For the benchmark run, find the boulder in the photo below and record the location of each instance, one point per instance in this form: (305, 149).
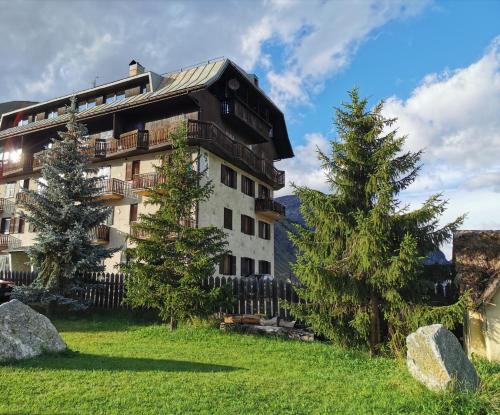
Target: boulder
(436, 359)
(24, 333)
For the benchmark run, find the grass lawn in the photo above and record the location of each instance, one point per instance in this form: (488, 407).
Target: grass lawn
(122, 367)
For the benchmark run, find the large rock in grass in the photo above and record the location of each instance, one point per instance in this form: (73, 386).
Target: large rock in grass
(24, 333)
(436, 358)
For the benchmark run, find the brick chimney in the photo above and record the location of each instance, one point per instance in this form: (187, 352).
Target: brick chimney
(135, 68)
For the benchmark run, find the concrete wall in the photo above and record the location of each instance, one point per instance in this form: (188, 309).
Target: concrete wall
(210, 212)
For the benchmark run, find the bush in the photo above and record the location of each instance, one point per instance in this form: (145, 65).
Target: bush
(42, 298)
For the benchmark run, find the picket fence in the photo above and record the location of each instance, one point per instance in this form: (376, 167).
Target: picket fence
(251, 295)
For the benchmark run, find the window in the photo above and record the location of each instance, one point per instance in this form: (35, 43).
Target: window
(24, 184)
(23, 121)
(247, 266)
(10, 189)
(5, 226)
(228, 265)
(264, 267)
(264, 192)
(52, 114)
(133, 213)
(247, 186)
(228, 218)
(264, 230)
(104, 172)
(120, 95)
(247, 225)
(228, 176)
(110, 98)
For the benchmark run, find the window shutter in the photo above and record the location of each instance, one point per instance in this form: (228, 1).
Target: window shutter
(12, 226)
(128, 170)
(233, 265)
(61, 110)
(40, 116)
(136, 167)
(133, 213)
(20, 227)
(99, 100)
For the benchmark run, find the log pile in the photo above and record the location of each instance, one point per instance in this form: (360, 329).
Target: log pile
(254, 324)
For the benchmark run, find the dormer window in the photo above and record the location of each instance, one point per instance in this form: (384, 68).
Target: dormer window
(115, 96)
(23, 121)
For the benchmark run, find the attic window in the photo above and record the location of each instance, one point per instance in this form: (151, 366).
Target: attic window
(52, 114)
(23, 121)
(85, 105)
(115, 96)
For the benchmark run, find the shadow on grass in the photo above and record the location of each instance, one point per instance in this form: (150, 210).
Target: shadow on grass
(83, 361)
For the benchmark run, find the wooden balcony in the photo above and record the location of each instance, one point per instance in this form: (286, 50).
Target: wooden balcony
(209, 135)
(142, 183)
(244, 117)
(3, 205)
(8, 242)
(269, 208)
(139, 234)
(37, 162)
(100, 235)
(112, 189)
(22, 197)
(22, 166)
(137, 140)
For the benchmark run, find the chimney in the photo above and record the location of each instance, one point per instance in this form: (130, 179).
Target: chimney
(135, 68)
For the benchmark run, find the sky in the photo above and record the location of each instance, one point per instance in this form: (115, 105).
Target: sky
(436, 64)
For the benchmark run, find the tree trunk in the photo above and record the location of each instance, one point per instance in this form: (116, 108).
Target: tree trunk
(374, 324)
(173, 323)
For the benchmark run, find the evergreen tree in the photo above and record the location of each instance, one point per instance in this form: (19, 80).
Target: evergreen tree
(64, 211)
(360, 256)
(168, 264)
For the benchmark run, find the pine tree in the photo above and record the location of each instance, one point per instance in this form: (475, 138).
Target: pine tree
(360, 255)
(64, 211)
(168, 264)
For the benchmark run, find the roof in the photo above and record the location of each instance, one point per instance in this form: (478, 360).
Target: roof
(175, 82)
(476, 254)
(9, 106)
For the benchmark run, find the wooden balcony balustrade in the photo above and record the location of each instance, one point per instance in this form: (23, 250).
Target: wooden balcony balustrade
(21, 166)
(200, 132)
(8, 242)
(22, 197)
(112, 189)
(37, 162)
(140, 234)
(100, 235)
(269, 208)
(142, 183)
(234, 109)
(3, 205)
(130, 141)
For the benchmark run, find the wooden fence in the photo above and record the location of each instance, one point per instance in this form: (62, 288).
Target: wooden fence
(251, 295)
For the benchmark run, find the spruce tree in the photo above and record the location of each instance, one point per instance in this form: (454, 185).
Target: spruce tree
(64, 211)
(169, 261)
(360, 256)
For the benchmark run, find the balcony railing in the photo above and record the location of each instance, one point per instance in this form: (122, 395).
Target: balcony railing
(23, 165)
(131, 141)
(22, 197)
(37, 161)
(270, 208)
(234, 108)
(206, 132)
(100, 235)
(112, 189)
(141, 183)
(9, 242)
(140, 234)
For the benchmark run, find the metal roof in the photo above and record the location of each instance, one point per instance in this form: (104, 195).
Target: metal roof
(185, 79)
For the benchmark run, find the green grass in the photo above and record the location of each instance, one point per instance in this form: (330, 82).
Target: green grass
(121, 367)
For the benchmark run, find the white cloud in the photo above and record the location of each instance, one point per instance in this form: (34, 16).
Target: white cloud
(63, 47)
(304, 169)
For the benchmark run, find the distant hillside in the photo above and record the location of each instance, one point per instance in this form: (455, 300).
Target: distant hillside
(14, 105)
(284, 251)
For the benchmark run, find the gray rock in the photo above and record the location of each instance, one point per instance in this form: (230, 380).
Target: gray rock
(24, 333)
(436, 359)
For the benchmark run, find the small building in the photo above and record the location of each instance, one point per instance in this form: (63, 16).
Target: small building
(476, 255)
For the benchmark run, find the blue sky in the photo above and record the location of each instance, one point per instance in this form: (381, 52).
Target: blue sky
(436, 63)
